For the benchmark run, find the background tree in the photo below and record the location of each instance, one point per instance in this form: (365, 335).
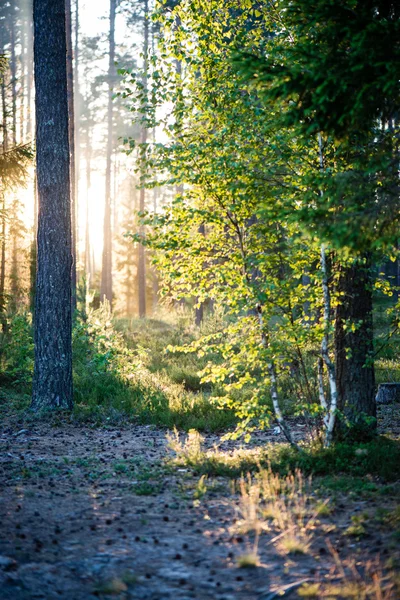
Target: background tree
(106, 272)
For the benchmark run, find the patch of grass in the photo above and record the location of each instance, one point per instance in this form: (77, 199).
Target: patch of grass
(249, 560)
(357, 528)
(270, 502)
(323, 509)
(379, 458)
(309, 590)
(201, 488)
(292, 544)
(146, 489)
(352, 579)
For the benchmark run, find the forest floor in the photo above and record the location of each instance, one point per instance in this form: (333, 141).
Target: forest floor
(103, 513)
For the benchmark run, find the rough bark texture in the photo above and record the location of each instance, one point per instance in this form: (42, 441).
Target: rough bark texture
(106, 272)
(71, 130)
(355, 373)
(52, 382)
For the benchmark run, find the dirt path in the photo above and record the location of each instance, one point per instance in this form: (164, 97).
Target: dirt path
(88, 513)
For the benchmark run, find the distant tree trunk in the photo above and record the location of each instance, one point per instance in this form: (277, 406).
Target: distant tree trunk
(13, 65)
(3, 210)
(355, 373)
(77, 120)
(29, 78)
(33, 257)
(4, 115)
(14, 278)
(71, 133)
(199, 314)
(154, 271)
(22, 122)
(106, 273)
(141, 250)
(3, 263)
(52, 381)
(88, 184)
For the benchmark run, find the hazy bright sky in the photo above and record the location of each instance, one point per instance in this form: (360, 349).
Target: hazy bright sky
(94, 21)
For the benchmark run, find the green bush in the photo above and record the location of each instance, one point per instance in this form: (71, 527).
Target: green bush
(16, 350)
(112, 382)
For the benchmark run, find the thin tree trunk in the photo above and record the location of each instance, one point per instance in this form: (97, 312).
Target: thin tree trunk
(199, 311)
(141, 251)
(13, 65)
(52, 381)
(29, 78)
(154, 271)
(14, 283)
(22, 81)
(3, 264)
(87, 225)
(330, 416)
(71, 133)
(106, 273)
(4, 115)
(274, 383)
(33, 257)
(77, 121)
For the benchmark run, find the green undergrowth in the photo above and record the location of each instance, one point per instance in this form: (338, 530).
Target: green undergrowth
(375, 461)
(113, 382)
(150, 338)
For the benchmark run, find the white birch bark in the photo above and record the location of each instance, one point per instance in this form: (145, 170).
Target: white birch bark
(274, 384)
(330, 417)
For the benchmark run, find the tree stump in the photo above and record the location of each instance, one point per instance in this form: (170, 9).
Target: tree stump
(388, 393)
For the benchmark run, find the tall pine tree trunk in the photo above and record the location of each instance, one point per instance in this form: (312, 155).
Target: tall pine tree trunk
(71, 133)
(142, 198)
(52, 381)
(355, 373)
(106, 272)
